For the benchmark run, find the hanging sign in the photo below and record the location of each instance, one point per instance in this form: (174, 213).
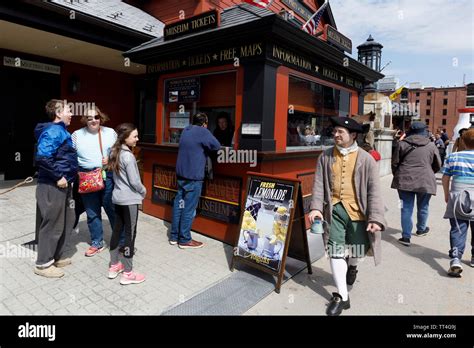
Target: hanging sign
(204, 21)
(337, 39)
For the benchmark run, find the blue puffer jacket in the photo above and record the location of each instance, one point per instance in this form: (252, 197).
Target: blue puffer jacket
(55, 155)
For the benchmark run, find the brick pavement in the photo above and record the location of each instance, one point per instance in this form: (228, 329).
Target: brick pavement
(173, 275)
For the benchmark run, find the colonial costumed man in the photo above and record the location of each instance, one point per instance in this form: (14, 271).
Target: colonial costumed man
(346, 194)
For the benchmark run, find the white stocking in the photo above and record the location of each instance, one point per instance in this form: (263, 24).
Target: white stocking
(353, 261)
(339, 270)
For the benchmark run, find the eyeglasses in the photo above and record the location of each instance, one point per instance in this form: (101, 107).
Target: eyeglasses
(96, 117)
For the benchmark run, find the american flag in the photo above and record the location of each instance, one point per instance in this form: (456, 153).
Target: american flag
(259, 3)
(312, 24)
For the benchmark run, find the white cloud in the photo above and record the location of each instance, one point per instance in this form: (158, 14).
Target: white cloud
(416, 26)
(395, 72)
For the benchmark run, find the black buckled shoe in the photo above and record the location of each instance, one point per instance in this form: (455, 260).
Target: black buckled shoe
(337, 305)
(351, 275)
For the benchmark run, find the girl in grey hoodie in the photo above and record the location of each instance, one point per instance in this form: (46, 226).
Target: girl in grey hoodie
(128, 194)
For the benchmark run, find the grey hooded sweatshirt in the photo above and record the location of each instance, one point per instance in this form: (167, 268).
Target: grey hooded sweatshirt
(414, 169)
(128, 188)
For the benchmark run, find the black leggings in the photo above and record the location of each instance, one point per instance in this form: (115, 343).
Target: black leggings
(126, 217)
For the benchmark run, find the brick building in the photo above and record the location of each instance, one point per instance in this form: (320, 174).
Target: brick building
(436, 106)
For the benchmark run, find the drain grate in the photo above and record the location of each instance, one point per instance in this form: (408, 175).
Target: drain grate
(244, 288)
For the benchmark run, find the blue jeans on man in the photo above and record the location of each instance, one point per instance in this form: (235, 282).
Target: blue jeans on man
(93, 203)
(458, 238)
(408, 203)
(184, 209)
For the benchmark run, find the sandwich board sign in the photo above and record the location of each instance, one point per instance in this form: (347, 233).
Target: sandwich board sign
(272, 225)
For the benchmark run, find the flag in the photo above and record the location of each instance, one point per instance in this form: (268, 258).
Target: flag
(259, 3)
(312, 24)
(395, 94)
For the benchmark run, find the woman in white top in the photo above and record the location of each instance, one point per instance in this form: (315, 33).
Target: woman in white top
(90, 157)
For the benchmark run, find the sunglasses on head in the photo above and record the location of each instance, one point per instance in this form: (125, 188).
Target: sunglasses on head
(92, 118)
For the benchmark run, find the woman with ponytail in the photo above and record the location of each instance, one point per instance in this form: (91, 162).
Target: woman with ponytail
(128, 194)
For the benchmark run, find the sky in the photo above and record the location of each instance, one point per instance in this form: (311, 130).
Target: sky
(427, 41)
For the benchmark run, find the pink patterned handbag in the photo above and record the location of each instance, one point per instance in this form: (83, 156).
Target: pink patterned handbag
(92, 181)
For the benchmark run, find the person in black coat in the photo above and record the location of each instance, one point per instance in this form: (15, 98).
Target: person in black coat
(224, 131)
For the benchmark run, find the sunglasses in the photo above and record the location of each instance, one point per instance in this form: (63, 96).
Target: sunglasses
(96, 117)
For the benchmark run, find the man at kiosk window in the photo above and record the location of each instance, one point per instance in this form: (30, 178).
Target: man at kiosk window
(195, 145)
(346, 194)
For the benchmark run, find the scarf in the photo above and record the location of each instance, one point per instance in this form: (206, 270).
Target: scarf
(347, 150)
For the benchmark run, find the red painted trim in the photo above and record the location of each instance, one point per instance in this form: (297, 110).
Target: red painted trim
(465, 110)
(281, 108)
(238, 104)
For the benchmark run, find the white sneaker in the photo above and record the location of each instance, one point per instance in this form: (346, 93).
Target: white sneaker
(455, 268)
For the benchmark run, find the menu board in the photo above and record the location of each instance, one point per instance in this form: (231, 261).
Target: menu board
(183, 90)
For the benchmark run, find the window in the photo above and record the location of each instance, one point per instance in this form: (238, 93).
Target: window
(310, 106)
(429, 94)
(445, 112)
(445, 101)
(444, 122)
(417, 94)
(428, 112)
(427, 121)
(428, 102)
(470, 102)
(470, 89)
(445, 92)
(213, 94)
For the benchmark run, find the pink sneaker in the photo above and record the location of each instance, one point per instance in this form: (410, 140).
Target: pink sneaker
(115, 270)
(93, 251)
(131, 278)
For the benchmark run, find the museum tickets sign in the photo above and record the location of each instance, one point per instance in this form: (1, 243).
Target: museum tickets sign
(220, 197)
(230, 54)
(204, 21)
(308, 65)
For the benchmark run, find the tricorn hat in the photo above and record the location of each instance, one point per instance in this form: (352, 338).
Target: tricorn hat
(347, 122)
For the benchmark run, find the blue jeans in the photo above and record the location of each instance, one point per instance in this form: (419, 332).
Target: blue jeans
(184, 210)
(458, 237)
(422, 205)
(93, 203)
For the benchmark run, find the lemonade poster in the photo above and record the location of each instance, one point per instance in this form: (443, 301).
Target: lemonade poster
(265, 222)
